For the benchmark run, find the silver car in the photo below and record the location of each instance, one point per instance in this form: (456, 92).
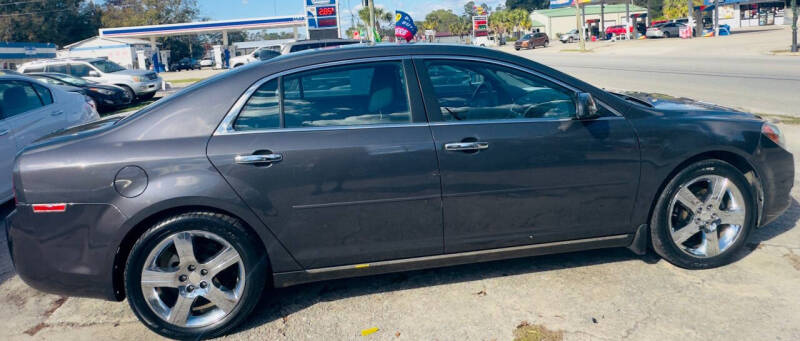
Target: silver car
(29, 110)
(665, 30)
(142, 84)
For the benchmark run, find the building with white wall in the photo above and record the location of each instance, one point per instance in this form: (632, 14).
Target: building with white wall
(14, 54)
(562, 20)
(119, 50)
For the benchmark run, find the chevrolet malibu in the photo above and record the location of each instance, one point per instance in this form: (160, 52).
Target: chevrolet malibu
(363, 160)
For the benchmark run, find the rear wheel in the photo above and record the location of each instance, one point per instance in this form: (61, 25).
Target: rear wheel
(195, 275)
(703, 216)
(666, 34)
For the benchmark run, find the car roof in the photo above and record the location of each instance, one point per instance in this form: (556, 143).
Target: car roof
(317, 41)
(60, 60)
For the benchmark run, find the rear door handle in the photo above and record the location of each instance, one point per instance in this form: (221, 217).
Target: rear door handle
(56, 113)
(466, 146)
(255, 159)
(3, 132)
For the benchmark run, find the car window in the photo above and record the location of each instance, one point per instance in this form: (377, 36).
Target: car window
(106, 66)
(48, 80)
(44, 94)
(301, 47)
(480, 91)
(527, 36)
(17, 97)
(79, 70)
(60, 68)
(368, 93)
(34, 69)
(262, 110)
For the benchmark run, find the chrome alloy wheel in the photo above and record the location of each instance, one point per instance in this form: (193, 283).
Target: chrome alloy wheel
(193, 279)
(707, 216)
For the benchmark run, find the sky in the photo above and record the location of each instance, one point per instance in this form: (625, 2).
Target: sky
(238, 9)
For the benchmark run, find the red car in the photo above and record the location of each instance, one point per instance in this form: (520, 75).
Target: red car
(616, 30)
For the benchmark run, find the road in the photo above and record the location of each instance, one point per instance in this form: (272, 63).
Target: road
(727, 71)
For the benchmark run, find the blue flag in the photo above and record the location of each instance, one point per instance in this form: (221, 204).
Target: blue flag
(404, 26)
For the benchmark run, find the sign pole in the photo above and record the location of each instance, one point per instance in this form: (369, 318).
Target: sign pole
(372, 20)
(794, 25)
(579, 27)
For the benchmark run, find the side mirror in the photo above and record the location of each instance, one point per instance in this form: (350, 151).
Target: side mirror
(586, 108)
(94, 74)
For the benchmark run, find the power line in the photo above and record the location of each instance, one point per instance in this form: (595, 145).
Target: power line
(32, 13)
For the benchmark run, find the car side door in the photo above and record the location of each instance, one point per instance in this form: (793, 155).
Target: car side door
(29, 110)
(338, 161)
(517, 166)
(8, 151)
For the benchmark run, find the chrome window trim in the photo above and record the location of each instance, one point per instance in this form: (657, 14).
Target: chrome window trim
(520, 68)
(226, 126)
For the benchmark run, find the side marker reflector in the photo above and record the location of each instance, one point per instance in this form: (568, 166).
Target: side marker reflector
(49, 208)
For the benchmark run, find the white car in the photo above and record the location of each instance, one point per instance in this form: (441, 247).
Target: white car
(206, 62)
(490, 41)
(261, 53)
(29, 110)
(142, 84)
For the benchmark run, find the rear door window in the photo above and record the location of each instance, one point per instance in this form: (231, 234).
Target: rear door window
(79, 70)
(44, 94)
(59, 68)
(17, 97)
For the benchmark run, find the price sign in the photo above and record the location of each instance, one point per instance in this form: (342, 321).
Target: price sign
(326, 11)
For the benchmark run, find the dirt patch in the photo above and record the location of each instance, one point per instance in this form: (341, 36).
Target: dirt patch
(794, 260)
(535, 332)
(54, 306)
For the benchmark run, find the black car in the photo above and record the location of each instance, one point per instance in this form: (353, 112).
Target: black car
(107, 97)
(185, 64)
(362, 160)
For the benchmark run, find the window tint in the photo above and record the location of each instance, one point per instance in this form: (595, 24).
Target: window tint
(44, 94)
(369, 93)
(479, 91)
(262, 110)
(16, 98)
(60, 68)
(34, 69)
(79, 70)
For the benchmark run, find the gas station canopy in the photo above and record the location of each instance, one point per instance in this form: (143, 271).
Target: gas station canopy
(205, 27)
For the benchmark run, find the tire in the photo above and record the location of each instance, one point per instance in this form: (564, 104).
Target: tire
(666, 34)
(516, 48)
(131, 94)
(571, 40)
(726, 224)
(213, 236)
(147, 96)
(546, 43)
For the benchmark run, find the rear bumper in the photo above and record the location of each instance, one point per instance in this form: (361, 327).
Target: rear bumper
(70, 253)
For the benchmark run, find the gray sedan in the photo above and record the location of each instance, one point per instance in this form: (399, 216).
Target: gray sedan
(361, 160)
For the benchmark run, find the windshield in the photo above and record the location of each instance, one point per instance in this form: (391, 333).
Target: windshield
(107, 66)
(527, 36)
(72, 80)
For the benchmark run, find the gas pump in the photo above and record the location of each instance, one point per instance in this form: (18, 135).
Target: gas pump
(141, 59)
(218, 56)
(163, 58)
(639, 23)
(594, 29)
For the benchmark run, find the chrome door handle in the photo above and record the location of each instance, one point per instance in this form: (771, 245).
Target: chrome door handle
(56, 113)
(3, 132)
(466, 146)
(254, 159)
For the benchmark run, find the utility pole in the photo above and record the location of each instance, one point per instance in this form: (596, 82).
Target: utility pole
(690, 22)
(372, 20)
(794, 25)
(716, 18)
(580, 27)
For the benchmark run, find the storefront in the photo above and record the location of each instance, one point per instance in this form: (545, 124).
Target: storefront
(761, 14)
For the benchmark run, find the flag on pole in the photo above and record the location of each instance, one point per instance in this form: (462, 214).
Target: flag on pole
(404, 26)
(376, 34)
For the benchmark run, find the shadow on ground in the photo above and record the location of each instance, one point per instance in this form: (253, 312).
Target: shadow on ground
(280, 303)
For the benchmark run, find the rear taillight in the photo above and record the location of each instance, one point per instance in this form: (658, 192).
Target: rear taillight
(772, 132)
(49, 208)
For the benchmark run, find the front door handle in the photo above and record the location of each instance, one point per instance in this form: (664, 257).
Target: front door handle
(56, 113)
(3, 132)
(256, 159)
(466, 146)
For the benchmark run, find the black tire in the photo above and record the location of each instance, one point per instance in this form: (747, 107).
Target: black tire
(516, 48)
(660, 231)
(666, 34)
(231, 230)
(131, 94)
(147, 96)
(571, 40)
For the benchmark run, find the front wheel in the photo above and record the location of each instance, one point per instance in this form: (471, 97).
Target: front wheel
(147, 96)
(666, 34)
(194, 275)
(703, 216)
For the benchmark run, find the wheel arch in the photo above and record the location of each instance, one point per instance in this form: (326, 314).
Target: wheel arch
(736, 160)
(268, 244)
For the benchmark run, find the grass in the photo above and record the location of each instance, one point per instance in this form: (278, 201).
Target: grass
(534, 332)
(134, 107)
(186, 80)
